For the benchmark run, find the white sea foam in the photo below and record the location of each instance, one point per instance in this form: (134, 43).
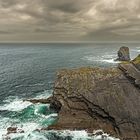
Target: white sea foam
(136, 50)
(102, 136)
(105, 58)
(45, 94)
(2, 133)
(28, 128)
(30, 134)
(83, 135)
(48, 116)
(15, 105)
(34, 136)
(109, 61)
(79, 134)
(4, 123)
(38, 111)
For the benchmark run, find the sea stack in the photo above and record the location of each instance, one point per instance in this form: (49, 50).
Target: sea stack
(123, 54)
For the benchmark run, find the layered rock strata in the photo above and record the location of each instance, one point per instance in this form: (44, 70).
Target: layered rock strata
(99, 98)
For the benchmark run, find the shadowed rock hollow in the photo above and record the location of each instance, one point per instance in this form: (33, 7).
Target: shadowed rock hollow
(97, 98)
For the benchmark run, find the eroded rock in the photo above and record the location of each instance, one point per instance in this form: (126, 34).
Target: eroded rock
(97, 98)
(42, 101)
(123, 54)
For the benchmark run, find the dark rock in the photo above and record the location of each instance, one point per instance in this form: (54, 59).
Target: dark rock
(123, 54)
(55, 105)
(96, 98)
(98, 132)
(11, 130)
(131, 72)
(43, 101)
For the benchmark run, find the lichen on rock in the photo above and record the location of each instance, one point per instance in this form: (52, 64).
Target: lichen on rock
(136, 61)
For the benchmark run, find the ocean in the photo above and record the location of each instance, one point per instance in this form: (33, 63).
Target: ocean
(28, 71)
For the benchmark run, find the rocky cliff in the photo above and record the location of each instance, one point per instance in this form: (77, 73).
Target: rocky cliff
(97, 98)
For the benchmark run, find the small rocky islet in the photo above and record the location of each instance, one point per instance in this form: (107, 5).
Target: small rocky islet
(92, 98)
(123, 54)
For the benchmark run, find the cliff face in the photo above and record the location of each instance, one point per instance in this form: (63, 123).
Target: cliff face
(96, 98)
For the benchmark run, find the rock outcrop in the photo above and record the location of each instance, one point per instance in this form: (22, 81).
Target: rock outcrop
(123, 54)
(11, 130)
(36, 101)
(136, 62)
(99, 98)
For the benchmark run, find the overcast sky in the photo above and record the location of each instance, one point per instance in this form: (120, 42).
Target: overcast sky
(69, 20)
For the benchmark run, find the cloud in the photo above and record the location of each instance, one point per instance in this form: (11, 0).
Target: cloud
(70, 19)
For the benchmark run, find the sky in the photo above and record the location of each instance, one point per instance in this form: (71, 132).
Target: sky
(69, 20)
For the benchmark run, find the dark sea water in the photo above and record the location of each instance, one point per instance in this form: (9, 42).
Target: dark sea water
(28, 71)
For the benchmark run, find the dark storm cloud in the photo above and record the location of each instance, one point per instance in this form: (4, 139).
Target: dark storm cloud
(6, 3)
(69, 20)
(70, 6)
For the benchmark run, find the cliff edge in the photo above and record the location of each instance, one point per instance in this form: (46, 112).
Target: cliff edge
(99, 98)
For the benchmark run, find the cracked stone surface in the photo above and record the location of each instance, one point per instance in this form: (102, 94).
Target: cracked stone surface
(97, 98)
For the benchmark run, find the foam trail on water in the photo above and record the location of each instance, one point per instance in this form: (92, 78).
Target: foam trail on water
(136, 50)
(48, 116)
(35, 117)
(78, 135)
(109, 61)
(45, 94)
(105, 58)
(28, 129)
(4, 124)
(16, 105)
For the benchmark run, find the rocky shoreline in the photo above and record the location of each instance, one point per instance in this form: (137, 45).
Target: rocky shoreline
(92, 98)
(98, 98)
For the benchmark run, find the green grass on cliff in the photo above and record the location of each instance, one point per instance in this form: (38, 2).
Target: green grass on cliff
(136, 60)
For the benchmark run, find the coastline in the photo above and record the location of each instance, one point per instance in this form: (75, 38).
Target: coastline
(97, 98)
(83, 80)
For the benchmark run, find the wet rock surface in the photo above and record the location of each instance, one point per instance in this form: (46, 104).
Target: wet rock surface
(11, 130)
(123, 54)
(36, 101)
(97, 98)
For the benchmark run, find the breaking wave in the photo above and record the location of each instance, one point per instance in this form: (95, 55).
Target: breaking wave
(32, 120)
(101, 59)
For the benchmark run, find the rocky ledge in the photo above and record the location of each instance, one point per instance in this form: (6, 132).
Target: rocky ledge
(99, 98)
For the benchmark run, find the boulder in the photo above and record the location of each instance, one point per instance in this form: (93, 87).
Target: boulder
(11, 130)
(123, 54)
(105, 99)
